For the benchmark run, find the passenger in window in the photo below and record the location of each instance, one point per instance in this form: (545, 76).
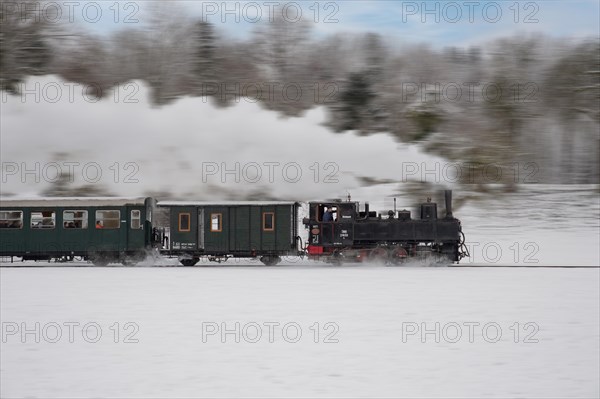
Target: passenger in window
(328, 216)
(99, 224)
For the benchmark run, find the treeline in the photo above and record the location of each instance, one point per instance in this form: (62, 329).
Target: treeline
(514, 102)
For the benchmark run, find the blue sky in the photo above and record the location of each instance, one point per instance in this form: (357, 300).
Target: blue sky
(439, 23)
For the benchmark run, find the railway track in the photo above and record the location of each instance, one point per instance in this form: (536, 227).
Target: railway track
(17, 265)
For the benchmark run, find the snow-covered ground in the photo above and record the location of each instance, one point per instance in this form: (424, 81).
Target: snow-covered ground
(372, 348)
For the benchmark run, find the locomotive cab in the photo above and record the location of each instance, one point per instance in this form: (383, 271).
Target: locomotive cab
(339, 212)
(330, 225)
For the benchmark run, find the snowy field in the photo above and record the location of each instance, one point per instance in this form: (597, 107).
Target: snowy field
(372, 346)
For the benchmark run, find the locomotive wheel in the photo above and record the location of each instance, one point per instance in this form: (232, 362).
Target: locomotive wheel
(336, 259)
(444, 259)
(379, 255)
(398, 255)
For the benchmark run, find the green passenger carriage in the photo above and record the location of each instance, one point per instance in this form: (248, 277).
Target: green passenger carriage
(102, 230)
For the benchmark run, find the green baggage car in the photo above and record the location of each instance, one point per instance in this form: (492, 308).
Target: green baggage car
(221, 230)
(102, 230)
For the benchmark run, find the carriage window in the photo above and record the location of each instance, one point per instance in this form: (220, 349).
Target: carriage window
(136, 217)
(11, 219)
(184, 222)
(43, 220)
(268, 221)
(215, 222)
(106, 219)
(75, 219)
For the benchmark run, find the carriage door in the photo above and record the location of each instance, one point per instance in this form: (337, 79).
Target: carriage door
(200, 228)
(216, 229)
(135, 227)
(183, 228)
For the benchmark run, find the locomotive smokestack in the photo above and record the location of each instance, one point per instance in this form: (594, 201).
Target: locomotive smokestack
(448, 195)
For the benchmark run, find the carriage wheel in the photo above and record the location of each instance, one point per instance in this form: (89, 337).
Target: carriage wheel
(270, 260)
(100, 261)
(189, 261)
(129, 262)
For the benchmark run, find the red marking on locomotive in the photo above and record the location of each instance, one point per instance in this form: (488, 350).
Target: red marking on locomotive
(315, 250)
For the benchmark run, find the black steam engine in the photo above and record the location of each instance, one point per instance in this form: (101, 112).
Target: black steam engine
(339, 232)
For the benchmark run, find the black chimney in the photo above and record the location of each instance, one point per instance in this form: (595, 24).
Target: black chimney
(448, 195)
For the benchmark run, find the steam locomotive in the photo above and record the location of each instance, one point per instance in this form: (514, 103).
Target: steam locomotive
(124, 230)
(355, 235)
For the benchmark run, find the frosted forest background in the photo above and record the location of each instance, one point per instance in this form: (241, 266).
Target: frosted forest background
(522, 98)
